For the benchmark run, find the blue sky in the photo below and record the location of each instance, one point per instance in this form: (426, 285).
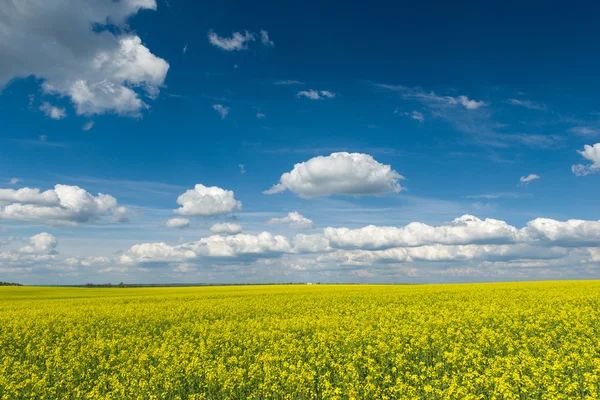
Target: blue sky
(383, 116)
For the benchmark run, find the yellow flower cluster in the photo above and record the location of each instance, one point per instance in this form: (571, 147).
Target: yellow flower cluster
(480, 341)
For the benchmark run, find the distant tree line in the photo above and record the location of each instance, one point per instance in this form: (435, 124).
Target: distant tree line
(9, 284)
(104, 285)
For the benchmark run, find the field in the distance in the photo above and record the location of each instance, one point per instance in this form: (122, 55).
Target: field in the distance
(484, 341)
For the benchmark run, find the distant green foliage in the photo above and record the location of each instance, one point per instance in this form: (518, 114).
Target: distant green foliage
(9, 284)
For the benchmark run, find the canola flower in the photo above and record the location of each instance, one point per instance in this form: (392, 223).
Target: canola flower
(479, 341)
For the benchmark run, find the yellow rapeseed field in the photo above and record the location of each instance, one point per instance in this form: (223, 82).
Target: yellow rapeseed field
(479, 341)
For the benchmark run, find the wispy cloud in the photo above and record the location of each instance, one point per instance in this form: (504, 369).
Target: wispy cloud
(416, 115)
(532, 105)
(88, 126)
(42, 141)
(236, 42)
(52, 111)
(493, 196)
(584, 131)
(221, 109)
(264, 38)
(315, 95)
(525, 180)
(288, 82)
(472, 117)
(431, 98)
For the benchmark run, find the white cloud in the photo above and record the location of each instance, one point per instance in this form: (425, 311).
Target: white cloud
(294, 219)
(264, 38)
(571, 233)
(470, 104)
(432, 99)
(242, 168)
(590, 153)
(40, 243)
(28, 195)
(288, 82)
(315, 95)
(441, 253)
(81, 50)
(468, 231)
(532, 105)
(207, 201)
(493, 196)
(178, 223)
(311, 244)
(185, 49)
(353, 174)
(52, 111)
(583, 131)
(14, 181)
(227, 228)
(260, 115)
(236, 246)
(155, 252)
(236, 42)
(529, 178)
(41, 252)
(88, 125)
(64, 205)
(86, 262)
(464, 230)
(417, 116)
(221, 109)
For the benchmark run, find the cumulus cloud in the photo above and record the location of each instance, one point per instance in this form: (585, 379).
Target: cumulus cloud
(442, 253)
(64, 205)
(221, 109)
(88, 126)
(86, 262)
(529, 178)
(52, 111)
(41, 249)
(315, 95)
(571, 233)
(203, 201)
(466, 246)
(81, 50)
(590, 153)
(227, 228)
(236, 246)
(294, 219)
(40, 243)
(13, 181)
(341, 173)
(316, 243)
(464, 230)
(468, 230)
(178, 223)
